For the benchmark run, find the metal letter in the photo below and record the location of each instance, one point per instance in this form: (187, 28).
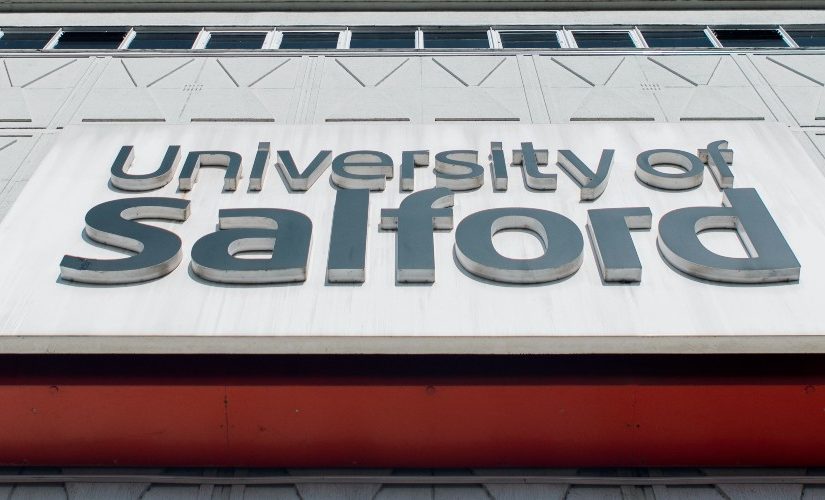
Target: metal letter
(718, 159)
(285, 233)
(362, 170)
(304, 180)
(531, 159)
(563, 243)
(592, 184)
(197, 159)
(500, 178)
(348, 241)
(256, 177)
(771, 258)
(690, 178)
(414, 221)
(143, 182)
(410, 160)
(458, 170)
(110, 223)
(609, 230)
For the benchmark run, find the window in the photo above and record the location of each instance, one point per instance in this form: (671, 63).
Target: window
(603, 39)
(529, 40)
(24, 40)
(162, 40)
(456, 40)
(309, 40)
(803, 38)
(749, 38)
(90, 40)
(676, 39)
(382, 40)
(236, 40)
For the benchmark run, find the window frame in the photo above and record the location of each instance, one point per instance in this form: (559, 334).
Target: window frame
(202, 40)
(382, 29)
(714, 43)
(58, 35)
(631, 31)
(458, 29)
(50, 32)
(136, 30)
(558, 32)
(738, 27)
(342, 42)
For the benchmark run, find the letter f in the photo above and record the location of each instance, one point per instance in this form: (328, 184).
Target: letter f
(419, 214)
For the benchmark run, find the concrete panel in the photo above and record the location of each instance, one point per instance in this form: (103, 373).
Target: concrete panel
(135, 104)
(13, 106)
(226, 105)
(164, 73)
(396, 72)
(49, 73)
(370, 104)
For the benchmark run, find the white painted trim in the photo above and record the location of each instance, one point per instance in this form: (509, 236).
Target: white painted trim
(130, 35)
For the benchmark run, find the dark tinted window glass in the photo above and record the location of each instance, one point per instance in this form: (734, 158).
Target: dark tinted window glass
(163, 41)
(805, 38)
(529, 40)
(90, 40)
(677, 39)
(456, 40)
(24, 40)
(309, 40)
(603, 40)
(383, 40)
(236, 41)
(750, 38)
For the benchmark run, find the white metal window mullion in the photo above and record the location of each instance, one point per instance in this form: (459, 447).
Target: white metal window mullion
(787, 37)
(130, 35)
(493, 38)
(419, 38)
(270, 40)
(710, 34)
(638, 38)
(202, 39)
(570, 40)
(561, 38)
(344, 38)
(54, 39)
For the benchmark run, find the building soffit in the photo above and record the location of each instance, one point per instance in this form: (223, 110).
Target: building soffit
(393, 5)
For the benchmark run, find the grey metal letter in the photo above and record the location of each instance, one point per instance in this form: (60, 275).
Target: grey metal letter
(719, 159)
(690, 178)
(111, 223)
(143, 182)
(592, 184)
(563, 243)
(531, 159)
(410, 160)
(609, 229)
(771, 258)
(414, 221)
(197, 159)
(348, 241)
(302, 181)
(256, 177)
(285, 233)
(500, 178)
(458, 170)
(362, 170)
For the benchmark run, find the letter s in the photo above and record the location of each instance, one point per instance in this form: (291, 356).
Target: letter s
(111, 223)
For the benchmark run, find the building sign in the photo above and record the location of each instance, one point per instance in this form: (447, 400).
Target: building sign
(399, 238)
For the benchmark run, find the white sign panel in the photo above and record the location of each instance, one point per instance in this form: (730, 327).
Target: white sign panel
(393, 238)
